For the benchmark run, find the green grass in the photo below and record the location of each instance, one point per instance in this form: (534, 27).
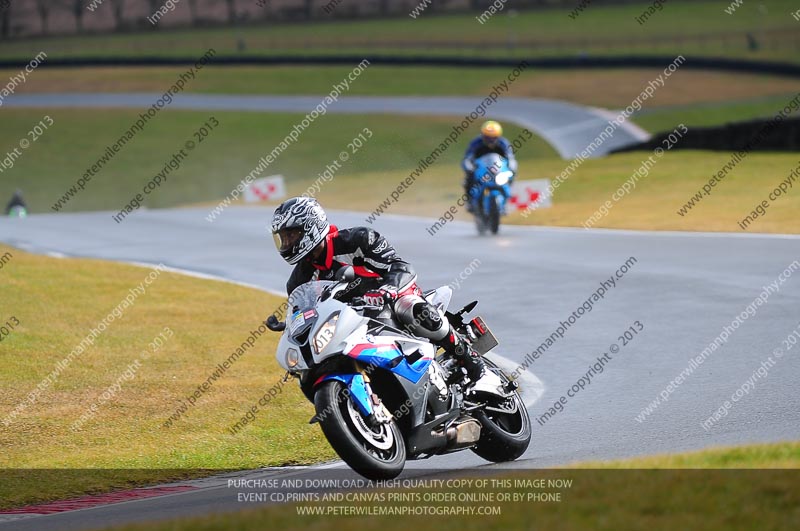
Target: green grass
(232, 150)
(597, 499)
(283, 80)
(620, 86)
(599, 29)
(652, 205)
(711, 114)
(57, 302)
(671, 182)
(398, 143)
(756, 456)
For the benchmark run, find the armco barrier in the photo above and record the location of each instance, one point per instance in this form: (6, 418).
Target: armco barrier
(631, 61)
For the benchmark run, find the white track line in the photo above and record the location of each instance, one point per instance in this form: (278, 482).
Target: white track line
(531, 387)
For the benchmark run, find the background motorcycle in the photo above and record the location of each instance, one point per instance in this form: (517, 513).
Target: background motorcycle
(382, 395)
(492, 190)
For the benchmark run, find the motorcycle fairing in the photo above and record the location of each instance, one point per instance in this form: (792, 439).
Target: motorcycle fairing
(488, 191)
(356, 385)
(388, 356)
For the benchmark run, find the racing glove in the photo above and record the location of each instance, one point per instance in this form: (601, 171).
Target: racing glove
(379, 297)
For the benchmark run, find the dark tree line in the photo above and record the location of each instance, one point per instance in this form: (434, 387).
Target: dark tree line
(13, 11)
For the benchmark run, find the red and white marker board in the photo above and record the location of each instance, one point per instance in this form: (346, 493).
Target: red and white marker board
(533, 192)
(265, 189)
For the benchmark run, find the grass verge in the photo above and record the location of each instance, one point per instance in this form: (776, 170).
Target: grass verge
(652, 205)
(125, 441)
(657, 198)
(225, 157)
(619, 86)
(626, 498)
(710, 114)
(757, 456)
(232, 151)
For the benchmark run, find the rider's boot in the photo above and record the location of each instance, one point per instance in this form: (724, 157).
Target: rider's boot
(468, 192)
(469, 205)
(461, 350)
(424, 320)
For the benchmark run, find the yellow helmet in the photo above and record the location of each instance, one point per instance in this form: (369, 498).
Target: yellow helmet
(492, 129)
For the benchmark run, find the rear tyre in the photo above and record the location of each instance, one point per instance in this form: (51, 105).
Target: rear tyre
(505, 425)
(375, 453)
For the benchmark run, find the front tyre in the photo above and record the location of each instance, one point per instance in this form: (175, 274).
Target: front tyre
(374, 452)
(505, 425)
(480, 218)
(481, 224)
(494, 214)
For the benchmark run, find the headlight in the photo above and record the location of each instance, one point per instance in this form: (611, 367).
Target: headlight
(503, 177)
(325, 333)
(292, 358)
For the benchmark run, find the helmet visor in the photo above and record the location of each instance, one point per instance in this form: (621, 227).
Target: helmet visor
(489, 140)
(286, 239)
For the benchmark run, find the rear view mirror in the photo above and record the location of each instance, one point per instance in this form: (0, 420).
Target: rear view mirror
(275, 325)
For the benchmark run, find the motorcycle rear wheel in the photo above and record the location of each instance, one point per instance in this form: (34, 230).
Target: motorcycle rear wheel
(504, 435)
(375, 453)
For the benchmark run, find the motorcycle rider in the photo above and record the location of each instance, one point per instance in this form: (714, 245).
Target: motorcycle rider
(317, 249)
(490, 140)
(16, 206)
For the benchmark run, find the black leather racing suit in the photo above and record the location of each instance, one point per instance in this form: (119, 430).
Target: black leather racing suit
(377, 265)
(375, 262)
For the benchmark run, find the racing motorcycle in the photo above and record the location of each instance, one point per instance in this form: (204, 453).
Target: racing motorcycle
(382, 395)
(16, 207)
(492, 190)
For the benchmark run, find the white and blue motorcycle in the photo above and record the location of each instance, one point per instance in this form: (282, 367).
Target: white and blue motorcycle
(382, 395)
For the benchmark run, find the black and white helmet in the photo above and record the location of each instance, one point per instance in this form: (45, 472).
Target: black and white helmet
(298, 226)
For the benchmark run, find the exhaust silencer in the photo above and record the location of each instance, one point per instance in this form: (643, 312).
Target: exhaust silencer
(464, 433)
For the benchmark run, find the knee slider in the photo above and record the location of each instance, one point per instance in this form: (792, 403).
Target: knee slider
(421, 318)
(428, 317)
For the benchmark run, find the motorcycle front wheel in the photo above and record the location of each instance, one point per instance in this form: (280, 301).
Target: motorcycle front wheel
(374, 452)
(480, 222)
(494, 215)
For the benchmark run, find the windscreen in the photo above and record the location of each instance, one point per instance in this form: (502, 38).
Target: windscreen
(305, 296)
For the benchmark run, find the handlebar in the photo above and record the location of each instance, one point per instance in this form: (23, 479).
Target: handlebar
(358, 304)
(342, 287)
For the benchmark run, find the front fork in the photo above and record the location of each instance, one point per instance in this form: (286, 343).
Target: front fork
(360, 392)
(500, 198)
(381, 414)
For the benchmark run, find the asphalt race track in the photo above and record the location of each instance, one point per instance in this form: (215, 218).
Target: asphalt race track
(568, 127)
(682, 287)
